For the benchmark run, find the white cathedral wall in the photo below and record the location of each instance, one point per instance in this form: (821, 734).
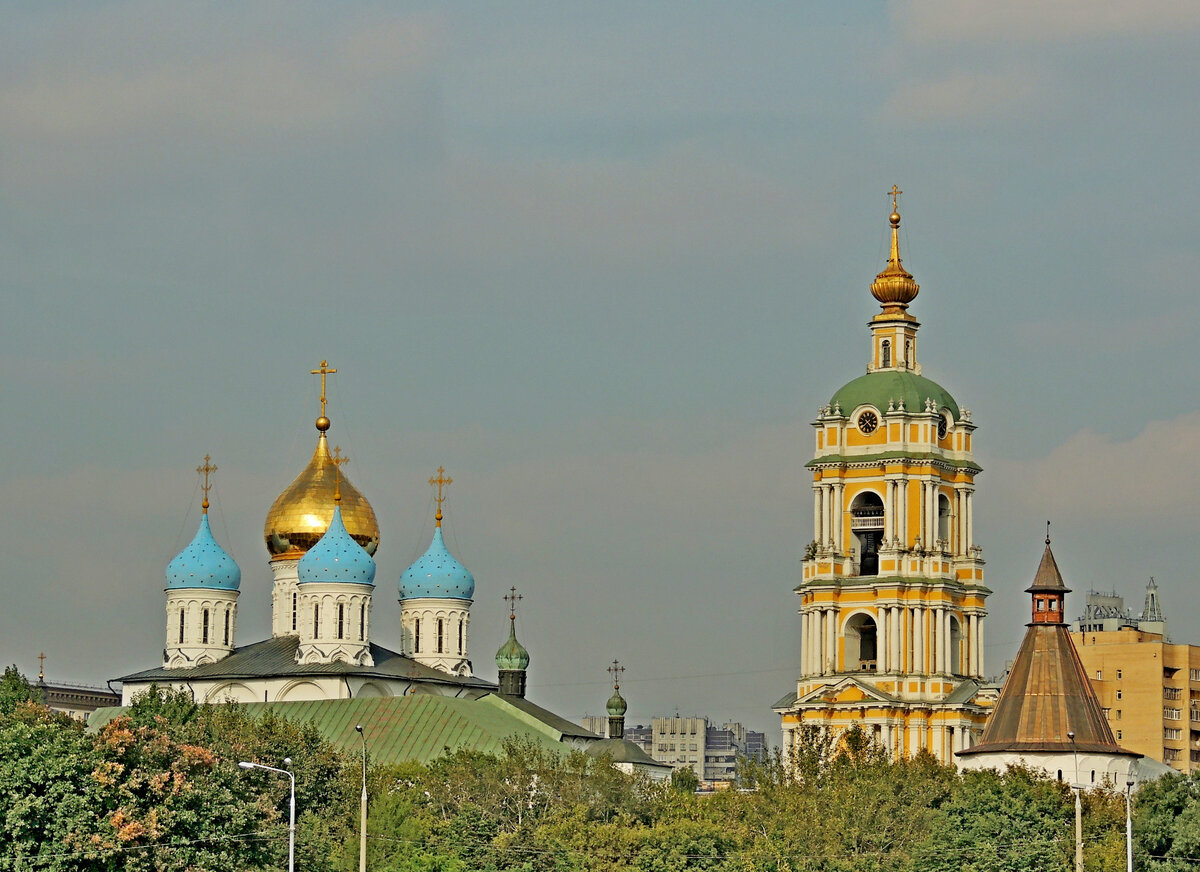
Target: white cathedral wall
(190, 647)
(334, 623)
(1094, 770)
(284, 593)
(289, 688)
(450, 657)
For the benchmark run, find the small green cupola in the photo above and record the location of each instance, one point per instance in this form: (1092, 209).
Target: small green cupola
(512, 659)
(616, 706)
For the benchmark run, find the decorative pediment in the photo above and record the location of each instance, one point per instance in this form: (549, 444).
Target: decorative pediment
(848, 691)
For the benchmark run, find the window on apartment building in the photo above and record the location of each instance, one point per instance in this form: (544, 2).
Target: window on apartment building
(1172, 693)
(1118, 675)
(1118, 714)
(1172, 734)
(1118, 734)
(1171, 755)
(1107, 713)
(1118, 693)
(1099, 675)
(1195, 674)
(1171, 714)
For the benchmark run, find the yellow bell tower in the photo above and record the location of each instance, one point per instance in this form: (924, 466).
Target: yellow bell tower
(892, 594)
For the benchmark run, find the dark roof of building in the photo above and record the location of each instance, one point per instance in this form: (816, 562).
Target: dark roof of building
(1047, 696)
(544, 716)
(419, 727)
(277, 657)
(624, 751)
(1047, 578)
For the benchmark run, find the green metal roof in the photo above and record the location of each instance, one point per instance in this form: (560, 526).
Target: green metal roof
(420, 727)
(879, 388)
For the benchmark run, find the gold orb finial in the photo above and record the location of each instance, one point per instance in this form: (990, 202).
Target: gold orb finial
(323, 370)
(894, 286)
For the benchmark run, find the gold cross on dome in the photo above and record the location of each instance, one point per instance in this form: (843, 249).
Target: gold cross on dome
(206, 470)
(338, 460)
(616, 671)
(42, 667)
(440, 481)
(323, 371)
(894, 193)
(512, 598)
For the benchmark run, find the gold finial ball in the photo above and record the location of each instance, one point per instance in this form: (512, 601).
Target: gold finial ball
(322, 423)
(895, 219)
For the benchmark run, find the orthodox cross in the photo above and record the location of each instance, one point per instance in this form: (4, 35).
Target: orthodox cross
(42, 668)
(1047, 532)
(440, 481)
(323, 371)
(512, 598)
(206, 470)
(894, 193)
(616, 671)
(339, 460)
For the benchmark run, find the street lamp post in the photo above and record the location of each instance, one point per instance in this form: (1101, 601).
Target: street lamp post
(1078, 808)
(287, 761)
(1129, 826)
(362, 835)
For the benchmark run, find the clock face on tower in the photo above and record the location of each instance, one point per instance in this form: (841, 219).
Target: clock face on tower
(942, 427)
(868, 421)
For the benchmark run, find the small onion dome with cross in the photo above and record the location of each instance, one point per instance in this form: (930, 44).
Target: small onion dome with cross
(512, 655)
(616, 706)
(337, 558)
(203, 564)
(437, 574)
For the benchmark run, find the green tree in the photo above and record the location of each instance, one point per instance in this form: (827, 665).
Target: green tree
(15, 689)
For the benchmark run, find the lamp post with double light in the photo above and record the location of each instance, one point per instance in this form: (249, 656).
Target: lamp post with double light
(287, 761)
(362, 835)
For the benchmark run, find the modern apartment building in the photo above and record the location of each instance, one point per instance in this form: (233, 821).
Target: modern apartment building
(1149, 690)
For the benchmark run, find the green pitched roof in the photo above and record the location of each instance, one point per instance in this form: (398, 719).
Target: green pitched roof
(420, 727)
(879, 388)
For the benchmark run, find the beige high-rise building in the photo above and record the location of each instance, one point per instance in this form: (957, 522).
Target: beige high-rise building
(1149, 689)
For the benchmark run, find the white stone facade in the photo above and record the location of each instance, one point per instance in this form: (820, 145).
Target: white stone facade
(435, 632)
(200, 626)
(334, 621)
(285, 597)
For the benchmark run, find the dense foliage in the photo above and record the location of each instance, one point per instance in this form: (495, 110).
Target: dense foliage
(159, 788)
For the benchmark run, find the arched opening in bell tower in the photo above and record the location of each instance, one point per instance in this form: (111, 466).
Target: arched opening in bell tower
(861, 641)
(866, 526)
(943, 529)
(956, 640)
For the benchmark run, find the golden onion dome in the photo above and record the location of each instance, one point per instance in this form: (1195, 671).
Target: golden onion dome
(301, 514)
(894, 286)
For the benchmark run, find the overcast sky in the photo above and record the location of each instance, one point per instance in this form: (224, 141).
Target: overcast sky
(603, 262)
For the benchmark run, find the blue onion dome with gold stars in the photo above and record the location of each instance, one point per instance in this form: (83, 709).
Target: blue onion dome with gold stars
(437, 574)
(512, 655)
(203, 564)
(337, 558)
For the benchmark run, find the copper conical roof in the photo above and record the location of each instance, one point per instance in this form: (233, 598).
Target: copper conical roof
(1047, 577)
(1047, 696)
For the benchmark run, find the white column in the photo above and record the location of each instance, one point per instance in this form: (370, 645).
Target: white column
(939, 641)
(972, 645)
(931, 512)
(831, 644)
(817, 514)
(946, 650)
(902, 512)
(823, 539)
(881, 640)
(959, 521)
(897, 637)
(979, 647)
(803, 643)
(970, 519)
(809, 647)
(839, 489)
(888, 738)
(919, 640)
(889, 511)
